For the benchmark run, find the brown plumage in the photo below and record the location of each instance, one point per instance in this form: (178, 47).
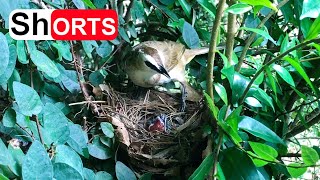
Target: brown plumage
(153, 63)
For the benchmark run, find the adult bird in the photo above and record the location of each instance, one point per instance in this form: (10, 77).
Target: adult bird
(154, 63)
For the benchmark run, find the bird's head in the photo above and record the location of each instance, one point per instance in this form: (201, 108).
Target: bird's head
(150, 58)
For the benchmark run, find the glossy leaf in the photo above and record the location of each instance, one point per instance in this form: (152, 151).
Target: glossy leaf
(44, 64)
(237, 165)
(9, 118)
(89, 4)
(102, 175)
(284, 74)
(99, 151)
(296, 170)
(10, 68)
(238, 8)
(4, 58)
(123, 172)
(186, 7)
(221, 92)
(78, 139)
(55, 125)
(264, 151)
(105, 49)
(63, 50)
(70, 161)
(107, 129)
(208, 6)
(259, 130)
(214, 110)
(21, 51)
(37, 164)
(123, 34)
(314, 29)
(260, 32)
(311, 8)
(252, 102)
(309, 155)
(301, 71)
(79, 4)
(190, 36)
(265, 3)
(202, 171)
(28, 100)
(5, 157)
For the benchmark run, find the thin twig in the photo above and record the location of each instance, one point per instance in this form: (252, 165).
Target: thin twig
(24, 129)
(78, 67)
(128, 13)
(39, 130)
(212, 51)
(301, 45)
(85, 102)
(253, 35)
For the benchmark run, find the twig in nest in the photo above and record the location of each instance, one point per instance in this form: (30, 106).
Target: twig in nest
(85, 102)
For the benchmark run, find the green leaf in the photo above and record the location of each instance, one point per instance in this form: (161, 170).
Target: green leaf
(53, 90)
(68, 79)
(44, 64)
(4, 58)
(301, 71)
(310, 8)
(272, 80)
(18, 157)
(102, 175)
(214, 110)
(79, 4)
(88, 47)
(88, 174)
(295, 170)
(260, 32)
(202, 171)
(3, 177)
(123, 34)
(259, 130)
(63, 50)
(264, 151)
(238, 8)
(221, 92)
(208, 6)
(237, 165)
(265, 3)
(107, 129)
(186, 7)
(123, 172)
(37, 164)
(284, 74)
(252, 102)
(105, 49)
(89, 4)
(70, 161)
(10, 68)
(314, 30)
(309, 155)
(55, 125)
(21, 51)
(28, 100)
(78, 139)
(9, 118)
(99, 151)
(5, 157)
(190, 36)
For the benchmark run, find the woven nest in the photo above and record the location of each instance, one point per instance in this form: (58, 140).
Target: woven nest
(162, 153)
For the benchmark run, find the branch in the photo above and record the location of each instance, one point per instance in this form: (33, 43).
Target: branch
(78, 66)
(39, 130)
(253, 35)
(301, 45)
(313, 118)
(212, 51)
(231, 31)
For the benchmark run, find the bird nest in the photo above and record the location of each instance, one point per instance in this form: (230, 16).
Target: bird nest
(163, 153)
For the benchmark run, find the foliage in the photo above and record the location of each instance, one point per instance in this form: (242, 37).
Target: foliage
(265, 93)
